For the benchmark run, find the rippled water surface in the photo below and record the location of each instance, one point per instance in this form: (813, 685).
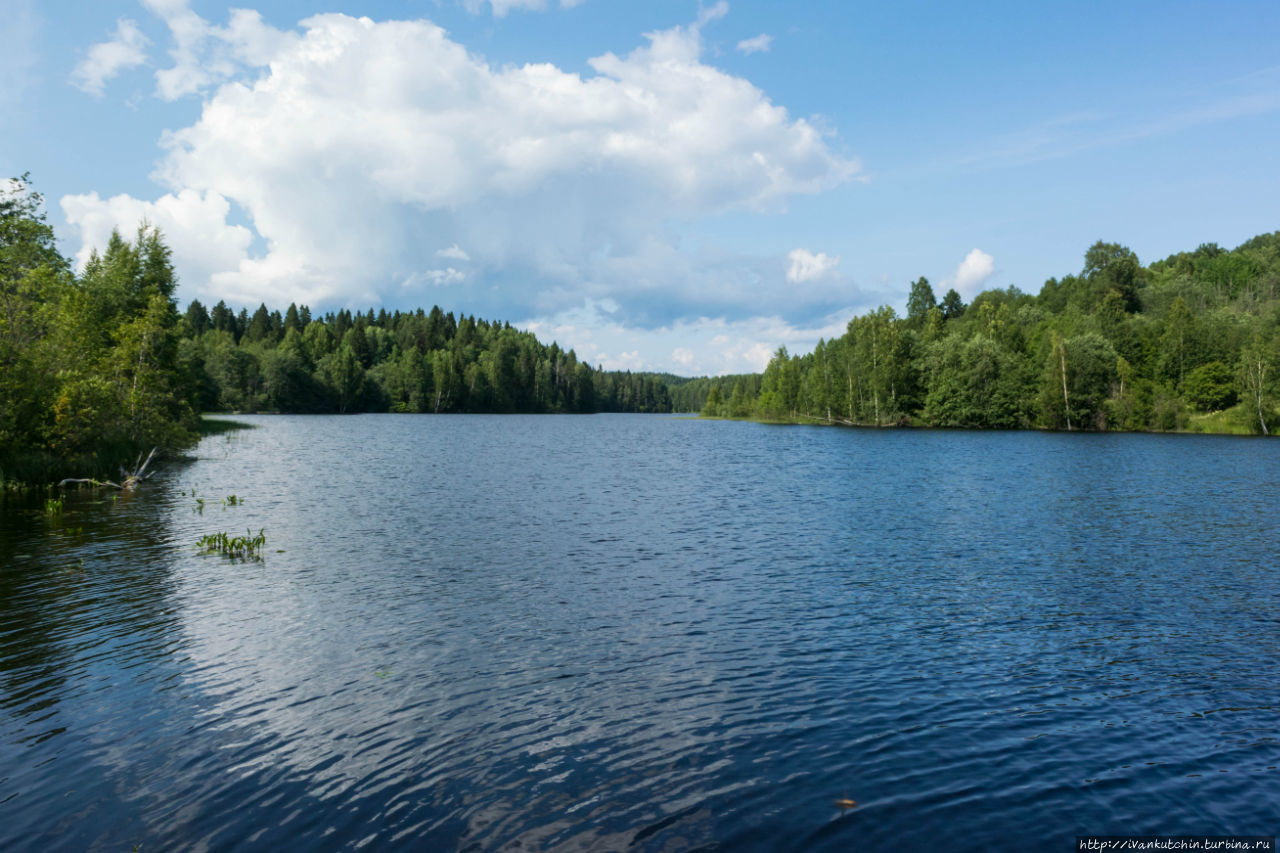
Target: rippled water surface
(642, 632)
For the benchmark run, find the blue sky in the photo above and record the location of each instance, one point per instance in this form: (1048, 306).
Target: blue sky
(660, 185)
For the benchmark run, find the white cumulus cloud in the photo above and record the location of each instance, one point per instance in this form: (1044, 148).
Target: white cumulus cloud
(756, 44)
(125, 50)
(806, 266)
(194, 225)
(329, 165)
(975, 269)
(694, 346)
(204, 55)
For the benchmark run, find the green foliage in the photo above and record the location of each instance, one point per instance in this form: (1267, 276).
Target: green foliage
(920, 302)
(1237, 420)
(975, 383)
(1111, 268)
(342, 372)
(245, 547)
(34, 280)
(90, 372)
(1077, 379)
(398, 362)
(714, 407)
(1257, 378)
(1117, 346)
(952, 305)
(1211, 387)
(690, 395)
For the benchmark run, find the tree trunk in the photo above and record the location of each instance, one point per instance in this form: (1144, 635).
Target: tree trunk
(1066, 401)
(1262, 372)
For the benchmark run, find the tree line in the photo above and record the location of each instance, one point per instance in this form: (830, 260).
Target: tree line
(97, 367)
(414, 361)
(1189, 342)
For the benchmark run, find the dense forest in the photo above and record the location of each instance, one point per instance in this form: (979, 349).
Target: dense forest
(415, 361)
(1191, 342)
(97, 367)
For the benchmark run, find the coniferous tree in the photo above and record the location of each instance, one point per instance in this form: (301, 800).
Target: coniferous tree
(920, 302)
(197, 318)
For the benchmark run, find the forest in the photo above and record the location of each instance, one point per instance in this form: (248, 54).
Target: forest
(417, 361)
(100, 366)
(1187, 343)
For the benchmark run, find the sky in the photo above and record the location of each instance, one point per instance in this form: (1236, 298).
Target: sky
(660, 185)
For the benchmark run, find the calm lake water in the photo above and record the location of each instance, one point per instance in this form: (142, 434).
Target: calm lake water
(629, 631)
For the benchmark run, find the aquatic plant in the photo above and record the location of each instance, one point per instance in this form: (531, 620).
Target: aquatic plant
(232, 500)
(53, 507)
(243, 547)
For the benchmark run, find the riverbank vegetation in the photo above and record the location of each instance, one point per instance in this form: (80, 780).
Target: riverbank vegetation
(90, 369)
(100, 367)
(1189, 343)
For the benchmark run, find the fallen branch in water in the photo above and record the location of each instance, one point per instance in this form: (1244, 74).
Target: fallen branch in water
(832, 420)
(131, 481)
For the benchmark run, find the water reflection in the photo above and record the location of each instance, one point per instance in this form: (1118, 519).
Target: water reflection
(84, 625)
(611, 631)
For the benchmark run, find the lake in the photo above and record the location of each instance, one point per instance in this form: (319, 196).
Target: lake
(646, 632)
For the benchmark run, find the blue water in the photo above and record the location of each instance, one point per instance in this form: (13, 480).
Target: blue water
(635, 631)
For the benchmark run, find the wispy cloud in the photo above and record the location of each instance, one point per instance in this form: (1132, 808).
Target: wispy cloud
(1066, 136)
(756, 44)
(453, 253)
(500, 8)
(1082, 131)
(707, 14)
(125, 50)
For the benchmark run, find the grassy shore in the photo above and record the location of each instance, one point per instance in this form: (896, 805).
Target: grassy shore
(1237, 420)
